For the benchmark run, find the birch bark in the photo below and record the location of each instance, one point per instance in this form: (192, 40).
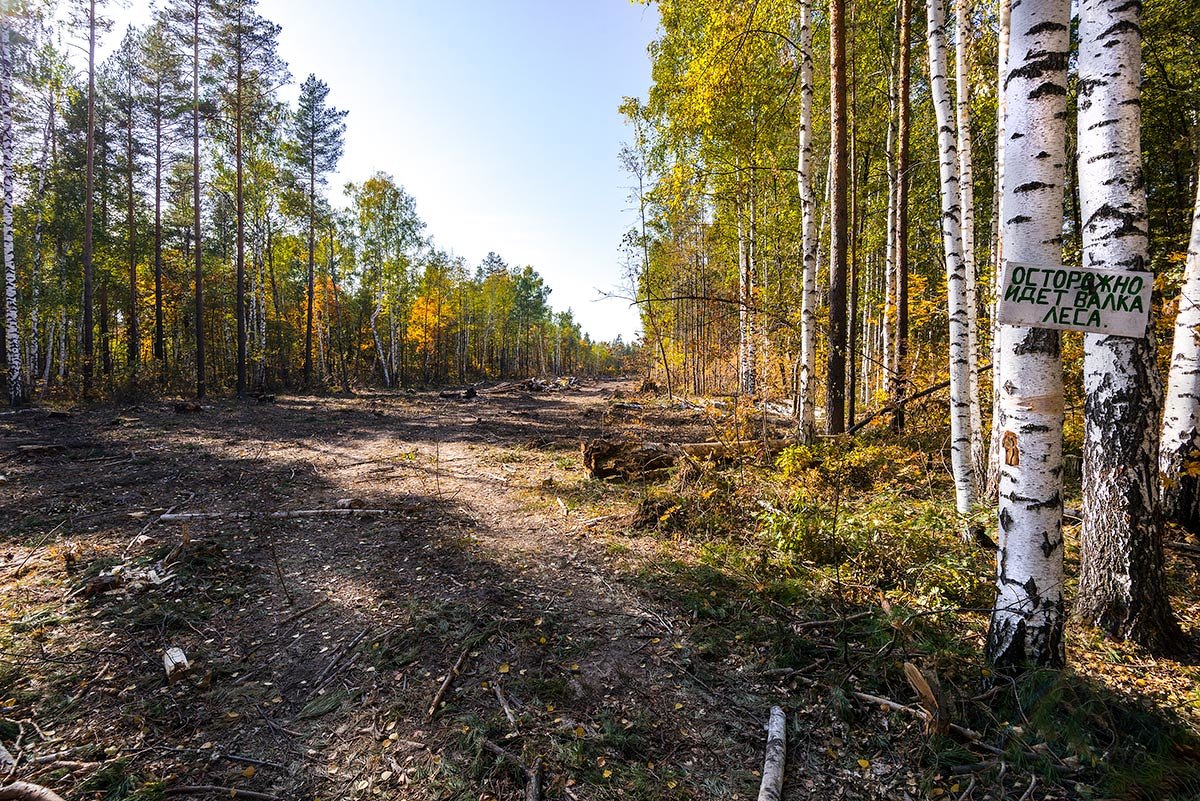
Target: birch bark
(1122, 588)
(12, 333)
(1026, 626)
(966, 193)
(956, 271)
(993, 460)
(1179, 459)
(808, 292)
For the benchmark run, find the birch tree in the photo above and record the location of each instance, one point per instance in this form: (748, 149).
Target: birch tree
(992, 474)
(1026, 627)
(1179, 459)
(808, 292)
(966, 194)
(12, 338)
(957, 301)
(1121, 584)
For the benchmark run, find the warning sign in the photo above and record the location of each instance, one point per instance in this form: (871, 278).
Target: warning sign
(1075, 298)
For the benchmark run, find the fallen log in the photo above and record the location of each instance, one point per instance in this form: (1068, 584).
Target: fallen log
(24, 791)
(771, 788)
(183, 517)
(632, 460)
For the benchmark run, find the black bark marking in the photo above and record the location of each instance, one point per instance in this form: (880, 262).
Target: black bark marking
(1032, 186)
(1038, 341)
(1045, 27)
(1020, 218)
(1039, 64)
(1123, 26)
(1053, 502)
(1048, 89)
(1005, 520)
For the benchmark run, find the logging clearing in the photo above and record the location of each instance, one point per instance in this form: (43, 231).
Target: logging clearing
(424, 593)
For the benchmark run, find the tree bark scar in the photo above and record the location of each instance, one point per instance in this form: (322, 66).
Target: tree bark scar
(1012, 454)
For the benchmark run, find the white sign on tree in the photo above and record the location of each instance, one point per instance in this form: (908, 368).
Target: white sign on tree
(1075, 298)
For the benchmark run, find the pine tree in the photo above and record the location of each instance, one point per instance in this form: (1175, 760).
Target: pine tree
(163, 92)
(835, 386)
(245, 53)
(317, 131)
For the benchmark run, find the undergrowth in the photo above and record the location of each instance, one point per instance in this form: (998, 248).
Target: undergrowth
(867, 537)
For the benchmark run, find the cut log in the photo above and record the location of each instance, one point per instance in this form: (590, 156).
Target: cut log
(184, 517)
(632, 460)
(771, 788)
(175, 662)
(24, 791)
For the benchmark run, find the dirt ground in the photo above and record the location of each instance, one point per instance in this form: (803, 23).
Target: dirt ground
(318, 644)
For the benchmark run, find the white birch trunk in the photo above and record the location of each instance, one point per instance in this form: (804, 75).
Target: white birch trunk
(993, 462)
(891, 290)
(808, 224)
(1179, 459)
(746, 356)
(1027, 622)
(966, 193)
(387, 380)
(1122, 589)
(12, 334)
(956, 270)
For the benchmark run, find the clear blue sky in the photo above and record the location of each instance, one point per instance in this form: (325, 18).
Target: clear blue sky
(498, 116)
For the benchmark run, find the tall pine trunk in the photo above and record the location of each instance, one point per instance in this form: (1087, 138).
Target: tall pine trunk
(240, 208)
(1179, 460)
(899, 377)
(835, 386)
(89, 204)
(1027, 622)
(160, 345)
(133, 343)
(957, 300)
(1122, 589)
(196, 241)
